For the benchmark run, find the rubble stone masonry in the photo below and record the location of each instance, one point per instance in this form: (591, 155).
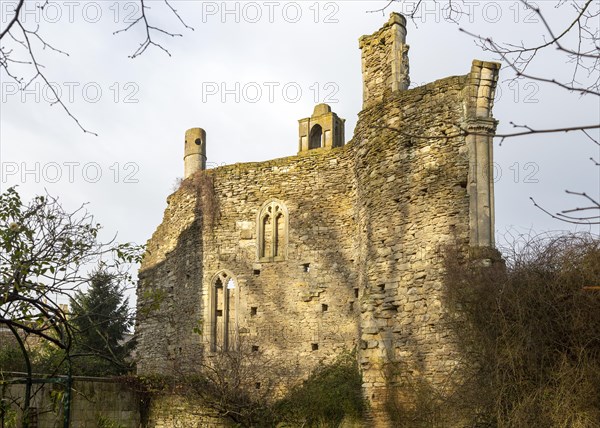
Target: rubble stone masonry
(336, 248)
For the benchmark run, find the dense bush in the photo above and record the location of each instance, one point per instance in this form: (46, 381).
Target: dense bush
(529, 331)
(330, 395)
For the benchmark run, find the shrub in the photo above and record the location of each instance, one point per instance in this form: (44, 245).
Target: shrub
(331, 394)
(528, 332)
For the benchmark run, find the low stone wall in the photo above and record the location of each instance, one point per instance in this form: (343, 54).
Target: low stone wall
(95, 403)
(175, 411)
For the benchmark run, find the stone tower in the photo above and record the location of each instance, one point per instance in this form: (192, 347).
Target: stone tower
(194, 155)
(385, 60)
(323, 129)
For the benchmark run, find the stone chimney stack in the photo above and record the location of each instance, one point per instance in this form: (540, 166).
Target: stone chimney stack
(194, 156)
(385, 60)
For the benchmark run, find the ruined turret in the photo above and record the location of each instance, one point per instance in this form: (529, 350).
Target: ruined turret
(194, 156)
(323, 129)
(385, 60)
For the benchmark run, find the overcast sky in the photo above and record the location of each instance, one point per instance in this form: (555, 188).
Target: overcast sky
(246, 73)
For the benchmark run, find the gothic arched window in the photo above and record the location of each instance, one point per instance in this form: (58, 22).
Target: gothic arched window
(272, 231)
(223, 312)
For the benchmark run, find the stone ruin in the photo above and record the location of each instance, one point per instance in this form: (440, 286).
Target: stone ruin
(337, 248)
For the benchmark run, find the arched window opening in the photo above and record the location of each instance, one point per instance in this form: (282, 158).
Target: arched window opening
(223, 316)
(219, 297)
(337, 141)
(267, 236)
(279, 231)
(273, 225)
(316, 134)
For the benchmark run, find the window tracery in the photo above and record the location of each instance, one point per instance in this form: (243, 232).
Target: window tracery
(223, 312)
(273, 231)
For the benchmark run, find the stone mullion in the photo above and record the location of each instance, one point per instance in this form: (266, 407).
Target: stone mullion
(225, 316)
(274, 233)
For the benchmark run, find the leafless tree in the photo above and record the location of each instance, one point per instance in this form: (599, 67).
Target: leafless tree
(241, 384)
(22, 43)
(527, 330)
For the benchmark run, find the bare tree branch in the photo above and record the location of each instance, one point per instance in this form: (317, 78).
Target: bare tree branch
(462, 132)
(13, 20)
(577, 40)
(148, 28)
(24, 45)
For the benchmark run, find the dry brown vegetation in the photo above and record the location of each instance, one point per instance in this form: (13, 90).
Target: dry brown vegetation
(530, 334)
(202, 183)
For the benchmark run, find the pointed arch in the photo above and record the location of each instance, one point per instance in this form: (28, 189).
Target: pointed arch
(224, 301)
(272, 233)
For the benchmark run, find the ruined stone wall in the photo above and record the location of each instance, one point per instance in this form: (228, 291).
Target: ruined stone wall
(366, 231)
(411, 202)
(384, 57)
(180, 411)
(169, 290)
(303, 305)
(303, 309)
